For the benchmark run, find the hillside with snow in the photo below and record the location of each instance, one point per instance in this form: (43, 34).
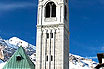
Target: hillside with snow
(8, 47)
(78, 62)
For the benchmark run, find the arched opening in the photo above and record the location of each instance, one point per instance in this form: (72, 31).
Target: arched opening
(47, 10)
(50, 10)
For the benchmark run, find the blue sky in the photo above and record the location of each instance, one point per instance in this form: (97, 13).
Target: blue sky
(19, 17)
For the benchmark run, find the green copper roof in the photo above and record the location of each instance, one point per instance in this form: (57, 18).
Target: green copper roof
(19, 60)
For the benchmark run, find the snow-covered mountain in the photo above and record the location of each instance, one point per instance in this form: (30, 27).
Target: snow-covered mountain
(75, 62)
(78, 62)
(8, 47)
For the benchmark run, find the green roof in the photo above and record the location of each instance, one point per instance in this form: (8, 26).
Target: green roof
(19, 60)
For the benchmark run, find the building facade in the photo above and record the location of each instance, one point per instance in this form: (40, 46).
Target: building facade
(52, 46)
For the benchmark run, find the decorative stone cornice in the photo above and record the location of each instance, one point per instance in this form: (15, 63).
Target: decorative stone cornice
(48, 26)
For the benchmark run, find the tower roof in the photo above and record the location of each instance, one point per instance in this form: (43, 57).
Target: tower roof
(19, 60)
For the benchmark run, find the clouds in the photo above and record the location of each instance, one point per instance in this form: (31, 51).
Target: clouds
(13, 6)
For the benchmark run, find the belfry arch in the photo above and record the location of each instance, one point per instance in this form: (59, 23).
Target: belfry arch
(50, 10)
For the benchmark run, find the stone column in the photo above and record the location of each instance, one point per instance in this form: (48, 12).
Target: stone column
(41, 40)
(41, 50)
(54, 32)
(49, 56)
(45, 49)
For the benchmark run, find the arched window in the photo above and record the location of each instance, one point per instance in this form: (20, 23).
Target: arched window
(50, 10)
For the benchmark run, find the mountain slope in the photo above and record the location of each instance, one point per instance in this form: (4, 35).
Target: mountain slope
(77, 62)
(10, 46)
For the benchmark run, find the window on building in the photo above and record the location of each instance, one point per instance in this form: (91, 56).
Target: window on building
(18, 58)
(51, 35)
(47, 11)
(53, 10)
(65, 13)
(50, 10)
(51, 58)
(47, 58)
(47, 35)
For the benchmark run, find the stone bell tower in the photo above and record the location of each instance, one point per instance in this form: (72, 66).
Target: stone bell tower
(52, 48)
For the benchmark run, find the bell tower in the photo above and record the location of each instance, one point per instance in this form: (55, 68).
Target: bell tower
(52, 46)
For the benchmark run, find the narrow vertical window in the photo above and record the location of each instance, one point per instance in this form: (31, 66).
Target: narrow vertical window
(47, 11)
(53, 10)
(47, 58)
(65, 13)
(47, 35)
(51, 35)
(50, 10)
(51, 58)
